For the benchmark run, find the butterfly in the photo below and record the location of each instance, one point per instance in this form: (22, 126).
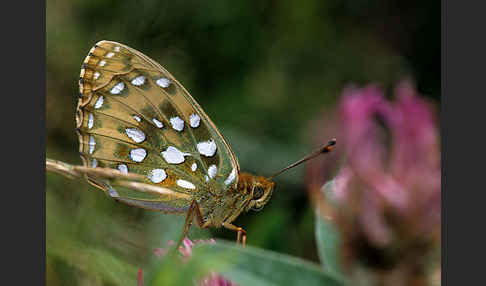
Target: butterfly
(134, 116)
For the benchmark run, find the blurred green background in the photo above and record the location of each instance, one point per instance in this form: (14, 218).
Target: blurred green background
(262, 70)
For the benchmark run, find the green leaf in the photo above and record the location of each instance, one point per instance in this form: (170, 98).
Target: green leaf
(327, 239)
(253, 266)
(327, 236)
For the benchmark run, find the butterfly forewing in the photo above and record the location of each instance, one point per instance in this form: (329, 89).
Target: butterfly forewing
(136, 117)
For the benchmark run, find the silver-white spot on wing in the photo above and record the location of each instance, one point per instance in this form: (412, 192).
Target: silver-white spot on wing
(163, 82)
(137, 118)
(177, 123)
(138, 154)
(194, 167)
(110, 54)
(185, 184)
(90, 121)
(91, 144)
(135, 134)
(212, 170)
(94, 163)
(116, 49)
(157, 175)
(102, 63)
(96, 75)
(173, 155)
(157, 123)
(194, 120)
(207, 148)
(117, 89)
(123, 168)
(113, 192)
(99, 102)
(138, 81)
(231, 177)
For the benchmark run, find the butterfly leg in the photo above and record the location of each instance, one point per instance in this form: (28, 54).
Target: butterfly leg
(241, 233)
(194, 211)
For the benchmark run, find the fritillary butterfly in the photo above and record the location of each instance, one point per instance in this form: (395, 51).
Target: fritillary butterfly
(134, 116)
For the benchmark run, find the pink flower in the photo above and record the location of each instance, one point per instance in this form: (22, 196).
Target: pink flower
(140, 277)
(215, 279)
(387, 190)
(185, 250)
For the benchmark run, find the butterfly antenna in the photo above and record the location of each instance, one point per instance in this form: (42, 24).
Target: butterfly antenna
(324, 149)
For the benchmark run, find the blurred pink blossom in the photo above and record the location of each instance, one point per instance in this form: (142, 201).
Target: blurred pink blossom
(213, 279)
(388, 184)
(393, 150)
(140, 277)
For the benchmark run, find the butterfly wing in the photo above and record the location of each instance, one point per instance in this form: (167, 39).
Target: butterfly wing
(134, 116)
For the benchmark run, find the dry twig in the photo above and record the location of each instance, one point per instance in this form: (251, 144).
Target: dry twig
(115, 177)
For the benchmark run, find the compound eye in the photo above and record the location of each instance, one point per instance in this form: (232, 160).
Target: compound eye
(256, 209)
(257, 192)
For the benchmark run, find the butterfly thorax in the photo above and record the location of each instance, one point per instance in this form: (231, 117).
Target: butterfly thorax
(251, 193)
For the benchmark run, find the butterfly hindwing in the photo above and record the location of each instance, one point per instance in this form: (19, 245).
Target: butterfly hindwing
(134, 116)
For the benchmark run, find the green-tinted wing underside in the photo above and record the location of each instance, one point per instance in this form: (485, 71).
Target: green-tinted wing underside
(134, 116)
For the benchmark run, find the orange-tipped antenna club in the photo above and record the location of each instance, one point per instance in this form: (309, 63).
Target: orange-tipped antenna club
(324, 149)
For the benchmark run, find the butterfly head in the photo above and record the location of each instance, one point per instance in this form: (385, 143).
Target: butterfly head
(259, 190)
